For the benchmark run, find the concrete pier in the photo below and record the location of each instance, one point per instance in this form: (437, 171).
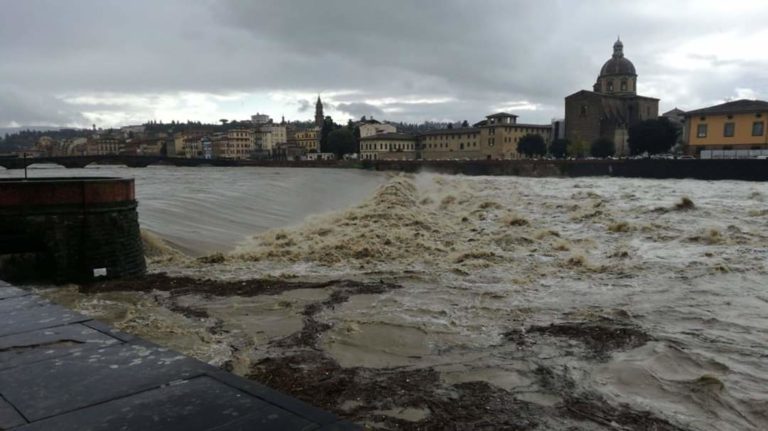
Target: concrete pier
(69, 229)
(63, 371)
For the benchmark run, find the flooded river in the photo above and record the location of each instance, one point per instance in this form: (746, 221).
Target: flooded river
(485, 302)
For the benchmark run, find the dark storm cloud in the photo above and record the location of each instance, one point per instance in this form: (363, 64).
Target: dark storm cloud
(409, 60)
(305, 105)
(24, 108)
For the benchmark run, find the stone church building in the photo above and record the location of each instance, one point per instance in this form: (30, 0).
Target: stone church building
(612, 106)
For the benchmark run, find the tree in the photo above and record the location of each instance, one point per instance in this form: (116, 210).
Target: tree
(356, 133)
(578, 149)
(340, 141)
(559, 148)
(652, 136)
(328, 127)
(532, 145)
(465, 123)
(450, 126)
(602, 147)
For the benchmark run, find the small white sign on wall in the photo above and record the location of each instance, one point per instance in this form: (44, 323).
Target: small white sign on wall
(99, 272)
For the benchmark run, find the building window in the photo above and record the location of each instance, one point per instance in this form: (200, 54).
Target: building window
(610, 86)
(758, 128)
(583, 112)
(728, 130)
(623, 85)
(701, 131)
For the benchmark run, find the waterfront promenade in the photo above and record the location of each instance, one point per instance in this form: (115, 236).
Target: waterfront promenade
(63, 371)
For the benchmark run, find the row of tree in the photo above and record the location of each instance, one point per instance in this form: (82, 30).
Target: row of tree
(649, 137)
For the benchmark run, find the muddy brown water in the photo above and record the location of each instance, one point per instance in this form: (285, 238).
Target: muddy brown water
(443, 302)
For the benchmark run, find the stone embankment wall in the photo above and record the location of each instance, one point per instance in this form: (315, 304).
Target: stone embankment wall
(69, 229)
(751, 169)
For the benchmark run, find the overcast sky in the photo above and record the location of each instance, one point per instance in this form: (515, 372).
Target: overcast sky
(119, 62)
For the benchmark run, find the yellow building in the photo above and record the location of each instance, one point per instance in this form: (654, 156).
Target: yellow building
(501, 133)
(737, 125)
(496, 138)
(308, 140)
(449, 144)
(388, 146)
(184, 142)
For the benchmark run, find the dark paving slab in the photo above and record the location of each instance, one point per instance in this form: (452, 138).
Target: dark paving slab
(198, 404)
(7, 291)
(50, 343)
(21, 302)
(63, 371)
(60, 385)
(253, 422)
(28, 313)
(109, 331)
(287, 402)
(9, 417)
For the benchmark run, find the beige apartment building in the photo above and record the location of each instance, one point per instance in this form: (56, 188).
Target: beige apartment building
(389, 146)
(496, 138)
(268, 136)
(500, 133)
(375, 128)
(185, 143)
(235, 144)
(308, 140)
(102, 145)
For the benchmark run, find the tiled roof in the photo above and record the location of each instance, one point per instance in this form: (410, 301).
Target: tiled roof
(456, 131)
(390, 136)
(735, 107)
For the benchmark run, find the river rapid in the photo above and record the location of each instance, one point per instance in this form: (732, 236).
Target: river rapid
(646, 295)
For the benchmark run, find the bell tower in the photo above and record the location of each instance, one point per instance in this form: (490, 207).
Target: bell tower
(319, 117)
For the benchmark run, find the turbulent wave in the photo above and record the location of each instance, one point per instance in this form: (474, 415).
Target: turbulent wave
(649, 293)
(157, 250)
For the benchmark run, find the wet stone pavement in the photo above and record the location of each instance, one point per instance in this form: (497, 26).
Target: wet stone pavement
(64, 371)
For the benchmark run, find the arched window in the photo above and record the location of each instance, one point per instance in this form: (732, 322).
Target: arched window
(623, 85)
(610, 86)
(583, 110)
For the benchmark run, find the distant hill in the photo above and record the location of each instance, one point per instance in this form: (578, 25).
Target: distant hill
(10, 130)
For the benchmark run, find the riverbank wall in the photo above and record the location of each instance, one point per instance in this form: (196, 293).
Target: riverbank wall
(747, 169)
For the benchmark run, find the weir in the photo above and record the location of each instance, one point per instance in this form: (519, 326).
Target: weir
(69, 229)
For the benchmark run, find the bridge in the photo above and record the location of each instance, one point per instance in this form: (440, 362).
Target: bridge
(130, 161)
(144, 161)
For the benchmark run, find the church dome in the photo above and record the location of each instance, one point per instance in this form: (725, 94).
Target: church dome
(618, 64)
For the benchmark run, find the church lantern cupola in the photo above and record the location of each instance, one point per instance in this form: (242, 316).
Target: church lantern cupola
(617, 76)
